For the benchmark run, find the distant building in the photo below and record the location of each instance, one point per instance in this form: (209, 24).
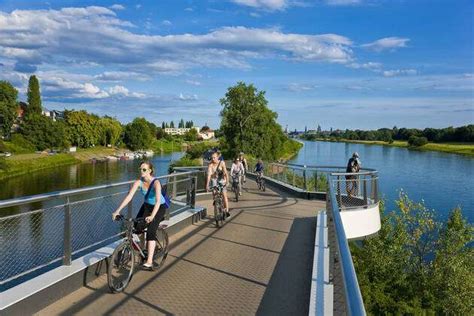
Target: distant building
(206, 133)
(54, 115)
(179, 131)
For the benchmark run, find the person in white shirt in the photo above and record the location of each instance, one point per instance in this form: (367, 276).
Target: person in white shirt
(237, 170)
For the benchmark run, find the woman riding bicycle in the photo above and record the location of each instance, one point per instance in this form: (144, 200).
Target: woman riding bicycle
(237, 170)
(217, 176)
(151, 210)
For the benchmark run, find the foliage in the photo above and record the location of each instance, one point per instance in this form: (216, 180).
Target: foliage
(416, 141)
(109, 130)
(196, 151)
(3, 164)
(191, 135)
(248, 125)
(8, 106)
(138, 134)
(401, 270)
(185, 161)
(448, 134)
(82, 128)
(20, 145)
(34, 96)
(43, 132)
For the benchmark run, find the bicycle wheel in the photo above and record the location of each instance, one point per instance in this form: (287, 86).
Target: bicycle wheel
(120, 269)
(216, 213)
(263, 185)
(221, 212)
(161, 249)
(236, 190)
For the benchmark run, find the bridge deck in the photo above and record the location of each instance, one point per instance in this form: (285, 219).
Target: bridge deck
(258, 262)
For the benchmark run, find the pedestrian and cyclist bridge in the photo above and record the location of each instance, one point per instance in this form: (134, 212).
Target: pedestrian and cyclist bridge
(283, 251)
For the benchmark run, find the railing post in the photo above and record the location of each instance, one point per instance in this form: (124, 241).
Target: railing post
(193, 191)
(294, 178)
(304, 179)
(365, 191)
(316, 181)
(375, 189)
(174, 187)
(67, 234)
(339, 194)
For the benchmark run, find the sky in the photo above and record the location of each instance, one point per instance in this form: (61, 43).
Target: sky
(356, 64)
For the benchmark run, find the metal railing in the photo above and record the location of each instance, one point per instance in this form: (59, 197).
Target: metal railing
(353, 296)
(52, 229)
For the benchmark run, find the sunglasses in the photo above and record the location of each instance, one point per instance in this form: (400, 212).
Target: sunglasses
(143, 169)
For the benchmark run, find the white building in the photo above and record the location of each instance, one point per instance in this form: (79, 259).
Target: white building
(179, 131)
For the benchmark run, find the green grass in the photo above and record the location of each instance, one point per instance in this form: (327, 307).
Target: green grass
(23, 164)
(466, 149)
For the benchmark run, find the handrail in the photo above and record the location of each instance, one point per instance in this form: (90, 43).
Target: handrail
(354, 301)
(57, 194)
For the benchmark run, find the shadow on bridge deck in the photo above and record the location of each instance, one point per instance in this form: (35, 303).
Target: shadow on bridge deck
(259, 262)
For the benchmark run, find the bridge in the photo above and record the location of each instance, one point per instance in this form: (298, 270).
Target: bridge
(283, 251)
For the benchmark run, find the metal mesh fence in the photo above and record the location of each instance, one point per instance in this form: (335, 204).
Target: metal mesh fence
(43, 237)
(355, 191)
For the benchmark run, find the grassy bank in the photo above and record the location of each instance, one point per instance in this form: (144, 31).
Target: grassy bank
(86, 154)
(466, 149)
(26, 163)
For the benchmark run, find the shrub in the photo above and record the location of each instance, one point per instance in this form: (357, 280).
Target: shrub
(416, 141)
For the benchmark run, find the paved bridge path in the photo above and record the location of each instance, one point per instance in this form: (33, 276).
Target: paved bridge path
(259, 262)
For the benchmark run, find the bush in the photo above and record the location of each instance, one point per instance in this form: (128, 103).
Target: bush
(416, 141)
(3, 148)
(25, 144)
(3, 163)
(185, 161)
(197, 150)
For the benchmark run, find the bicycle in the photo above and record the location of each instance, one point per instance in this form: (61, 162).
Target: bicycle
(219, 215)
(122, 263)
(260, 181)
(236, 186)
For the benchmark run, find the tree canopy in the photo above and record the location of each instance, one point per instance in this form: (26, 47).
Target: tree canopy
(34, 96)
(248, 124)
(8, 107)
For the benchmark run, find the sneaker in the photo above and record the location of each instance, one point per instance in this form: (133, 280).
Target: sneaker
(147, 267)
(240, 193)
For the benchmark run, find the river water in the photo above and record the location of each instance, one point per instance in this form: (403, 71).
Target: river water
(442, 180)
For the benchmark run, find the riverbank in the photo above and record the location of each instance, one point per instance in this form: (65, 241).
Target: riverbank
(466, 149)
(25, 163)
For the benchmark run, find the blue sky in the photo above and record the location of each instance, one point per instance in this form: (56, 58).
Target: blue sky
(339, 63)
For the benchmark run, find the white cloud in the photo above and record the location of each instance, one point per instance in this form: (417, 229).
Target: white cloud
(369, 65)
(117, 7)
(399, 72)
(189, 9)
(51, 36)
(138, 6)
(187, 97)
(271, 5)
(387, 43)
(193, 82)
(166, 23)
(301, 87)
(116, 76)
(122, 91)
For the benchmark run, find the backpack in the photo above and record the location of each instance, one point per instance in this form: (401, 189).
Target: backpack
(163, 192)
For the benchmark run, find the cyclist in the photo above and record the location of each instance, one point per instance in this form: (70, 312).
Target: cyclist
(217, 175)
(259, 167)
(153, 210)
(244, 163)
(237, 170)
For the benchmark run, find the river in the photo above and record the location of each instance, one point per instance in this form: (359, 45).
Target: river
(442, 180)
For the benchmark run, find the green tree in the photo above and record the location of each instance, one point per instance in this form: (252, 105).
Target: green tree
(248, 125)
(43, 132)
(82, 128)
(138, 134)
(34, 96)
(172, 124)
(181, 123)
(8, 107)
(453, 270)
(110, 131)
(191, 135)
